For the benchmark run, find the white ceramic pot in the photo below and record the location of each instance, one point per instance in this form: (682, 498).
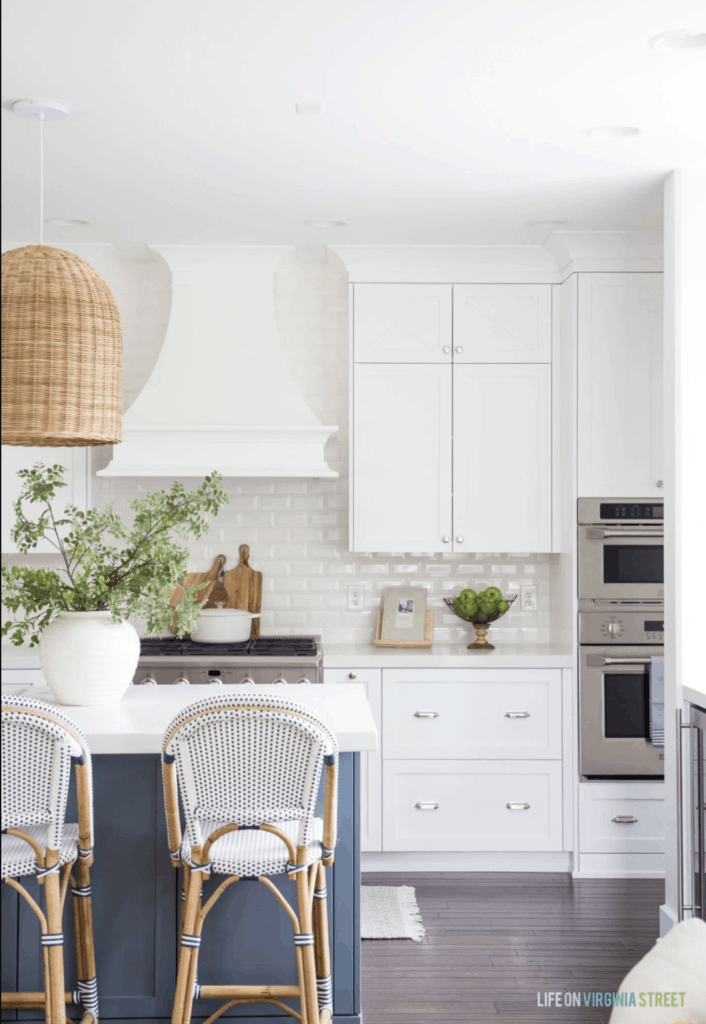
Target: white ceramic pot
(87, 658)
(223, 626)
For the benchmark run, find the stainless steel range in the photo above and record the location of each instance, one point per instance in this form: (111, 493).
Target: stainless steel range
(266, 659)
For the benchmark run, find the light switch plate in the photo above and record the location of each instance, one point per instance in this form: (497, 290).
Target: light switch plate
(529, 599)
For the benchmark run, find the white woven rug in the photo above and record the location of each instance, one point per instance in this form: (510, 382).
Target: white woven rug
(390, 912)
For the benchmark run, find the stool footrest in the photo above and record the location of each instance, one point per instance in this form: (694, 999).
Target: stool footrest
(28, 1000)
(249, 991)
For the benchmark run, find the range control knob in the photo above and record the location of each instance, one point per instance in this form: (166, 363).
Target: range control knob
(303, 679)
(614, 628)
(215, 681)
(149, 680)
(279, 680)
(182, 681)
(247, 681)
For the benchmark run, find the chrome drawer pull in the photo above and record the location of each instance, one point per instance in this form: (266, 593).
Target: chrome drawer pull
(426, 714)
(512, 806)
(625, 819)
(427, 805)
(517, 714)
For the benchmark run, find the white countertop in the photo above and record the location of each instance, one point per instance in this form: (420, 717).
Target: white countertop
(369, 656)
(137, 724)
(695, 692)
(447, 656)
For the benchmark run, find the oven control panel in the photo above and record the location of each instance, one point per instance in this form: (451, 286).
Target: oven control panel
(622, 627)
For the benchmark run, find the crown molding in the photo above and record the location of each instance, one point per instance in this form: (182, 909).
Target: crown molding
(605, 251)
(441, 264)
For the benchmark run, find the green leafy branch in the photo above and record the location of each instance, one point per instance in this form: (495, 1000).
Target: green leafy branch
(133, 577)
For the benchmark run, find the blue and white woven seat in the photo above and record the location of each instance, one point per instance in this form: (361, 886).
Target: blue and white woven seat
(250, 852)
(39, 746)
(247, 769)
(19, 859)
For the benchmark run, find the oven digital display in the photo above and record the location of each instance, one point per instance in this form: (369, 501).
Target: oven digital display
(654, 627)
(641, 511)
(633, 563)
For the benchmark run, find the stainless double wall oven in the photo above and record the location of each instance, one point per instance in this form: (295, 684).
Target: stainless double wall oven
(621, 628)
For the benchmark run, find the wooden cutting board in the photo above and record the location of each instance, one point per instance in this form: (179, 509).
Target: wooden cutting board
(244, 588)
(198, 577)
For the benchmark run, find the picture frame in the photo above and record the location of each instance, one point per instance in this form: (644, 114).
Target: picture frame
(404, 614)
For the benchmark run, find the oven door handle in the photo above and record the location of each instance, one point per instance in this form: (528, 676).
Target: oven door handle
(598, 533)
(600, 659)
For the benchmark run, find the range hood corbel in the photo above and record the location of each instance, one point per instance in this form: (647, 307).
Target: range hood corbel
(221, 395)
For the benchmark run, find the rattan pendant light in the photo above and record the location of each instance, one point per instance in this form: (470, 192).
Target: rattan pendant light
(61, 341)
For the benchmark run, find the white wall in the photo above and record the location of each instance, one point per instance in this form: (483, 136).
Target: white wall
(685, 464)
(298, 529)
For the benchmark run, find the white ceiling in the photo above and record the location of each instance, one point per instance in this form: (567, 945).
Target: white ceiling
(452, 121)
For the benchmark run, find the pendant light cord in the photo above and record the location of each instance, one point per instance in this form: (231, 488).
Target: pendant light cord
(41, 177)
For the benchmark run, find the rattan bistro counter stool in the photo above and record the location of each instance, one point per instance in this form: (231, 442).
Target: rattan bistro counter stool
(247, 768)
(39, 745)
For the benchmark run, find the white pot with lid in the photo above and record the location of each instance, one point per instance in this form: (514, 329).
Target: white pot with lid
(223, 626)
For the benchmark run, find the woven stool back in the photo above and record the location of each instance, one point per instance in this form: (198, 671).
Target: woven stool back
(39, 744)
(249, 759)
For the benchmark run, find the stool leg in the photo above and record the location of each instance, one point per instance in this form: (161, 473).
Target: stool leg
(305, 923)
(52, 894)
(191, 910)
(322, 953)
(85, 947)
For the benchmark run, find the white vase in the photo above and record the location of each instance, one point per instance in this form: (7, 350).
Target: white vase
(87, 658)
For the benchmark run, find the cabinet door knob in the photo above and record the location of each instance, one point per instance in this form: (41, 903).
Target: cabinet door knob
(446, 349)
(352, 675)
(459, 540)
(513, 806)
(459, 349)
(427, 805)
(660, 483)
(625, 819)
(445, 540)
(426, 714)
(517, 714)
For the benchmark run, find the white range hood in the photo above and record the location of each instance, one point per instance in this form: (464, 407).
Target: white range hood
(221, 395)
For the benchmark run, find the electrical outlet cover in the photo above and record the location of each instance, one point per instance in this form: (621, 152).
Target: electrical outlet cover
(355, 593)
(529, 599)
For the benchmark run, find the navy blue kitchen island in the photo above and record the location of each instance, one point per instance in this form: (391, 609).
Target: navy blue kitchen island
(247, 936)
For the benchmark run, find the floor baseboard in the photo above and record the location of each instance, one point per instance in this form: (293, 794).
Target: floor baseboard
(466, 862)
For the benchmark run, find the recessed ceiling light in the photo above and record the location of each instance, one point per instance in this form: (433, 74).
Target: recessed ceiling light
(679, 39)
(325, 224)
(544, 223)
(309, 109)
(67, 222)
(613, 131)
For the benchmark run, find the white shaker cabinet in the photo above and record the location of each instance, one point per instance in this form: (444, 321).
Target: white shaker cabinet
(401, 489)
(502, 323)
(502, 457)
(620, 416)
(370, 762)
(402, 323)
(16, 457)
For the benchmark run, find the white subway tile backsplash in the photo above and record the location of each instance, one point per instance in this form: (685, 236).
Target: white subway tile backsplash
(298, 529)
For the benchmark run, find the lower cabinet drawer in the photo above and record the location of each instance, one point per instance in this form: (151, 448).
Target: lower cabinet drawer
(622, 817)
(472, 805)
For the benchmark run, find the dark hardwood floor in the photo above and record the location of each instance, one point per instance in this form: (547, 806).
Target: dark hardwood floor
(493, 941)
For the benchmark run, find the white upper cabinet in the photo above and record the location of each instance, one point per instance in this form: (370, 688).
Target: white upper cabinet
(502, 458)
(402, 323)
(620, 414)
(502, 323)
(14, 458)
(401, 458)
